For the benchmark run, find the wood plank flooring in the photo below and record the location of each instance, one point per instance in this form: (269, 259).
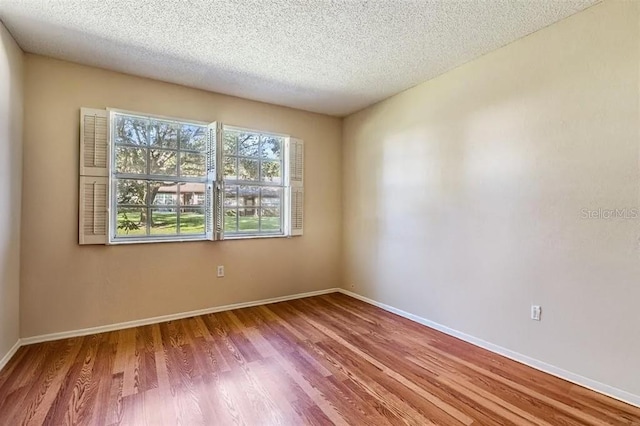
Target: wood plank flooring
(322, 360)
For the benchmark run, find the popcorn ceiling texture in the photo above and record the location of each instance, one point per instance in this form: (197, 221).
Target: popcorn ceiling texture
(333, 57)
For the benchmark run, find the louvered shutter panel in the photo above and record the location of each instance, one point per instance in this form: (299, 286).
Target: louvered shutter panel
(94, 143)
(94, 191)
(93, 196)
(214, 186)
(297, 210)
(218, 216)
(296, 186)
(296, 162)
(208, 211)
(212, 150)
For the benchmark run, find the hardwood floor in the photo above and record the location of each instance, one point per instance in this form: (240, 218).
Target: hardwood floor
(321, 360)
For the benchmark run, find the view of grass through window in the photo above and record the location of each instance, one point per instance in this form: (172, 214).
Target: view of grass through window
(160, 171)
(253, 194)
(160, 179)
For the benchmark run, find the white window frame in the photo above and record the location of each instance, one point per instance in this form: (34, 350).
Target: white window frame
(214, 184)
(283, 232)
(209, 181)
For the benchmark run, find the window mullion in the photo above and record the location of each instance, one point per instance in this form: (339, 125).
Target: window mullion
(259, 158)
(147, 202)
(259, 209)
(179, 173)
(260, 216)
(178, 203)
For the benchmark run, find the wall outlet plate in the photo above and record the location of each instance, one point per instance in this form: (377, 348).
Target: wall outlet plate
(536, 312)
(220, 271)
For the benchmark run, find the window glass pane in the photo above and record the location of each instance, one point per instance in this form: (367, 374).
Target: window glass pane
(271, 147)
(271, 196)
(163, 134)
(131, 222)
(231, 195)
(192, 194)
(163, 193)
(230, 168)
(163, 221)
(270, 219)
(230, 144)
(192, 164)
(271, 171)
(192, 221)
(193, 138)
(248, 144)
(159, 148)
(247, 169)
(131, 130)
(249, 195)
(162, 162)
(129, 191)
(131, 160)
(171, 151)
(248, 220)
(230, 220)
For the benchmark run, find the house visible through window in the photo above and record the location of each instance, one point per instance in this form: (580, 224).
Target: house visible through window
(253, 182)
(159, 178)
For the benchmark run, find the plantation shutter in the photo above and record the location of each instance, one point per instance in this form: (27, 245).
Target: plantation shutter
(296, 186)
(209, 200)
(94, 177)
(214, 185)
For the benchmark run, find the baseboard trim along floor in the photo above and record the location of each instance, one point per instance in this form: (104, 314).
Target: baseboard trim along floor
(596, 386)
(531, 362)
(5, 359)
(164, 318)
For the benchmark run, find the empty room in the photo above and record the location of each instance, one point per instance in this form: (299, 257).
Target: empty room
(319, 212)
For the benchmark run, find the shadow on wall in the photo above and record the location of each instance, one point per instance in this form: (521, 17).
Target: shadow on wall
(10, 188)
(472, 183)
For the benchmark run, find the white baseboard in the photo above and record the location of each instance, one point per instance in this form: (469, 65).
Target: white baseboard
(596, 386)
(5, 359)
(534, 363)
(164, 318)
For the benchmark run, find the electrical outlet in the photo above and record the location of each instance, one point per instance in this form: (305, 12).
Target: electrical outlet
(220, 271)
(536, 312)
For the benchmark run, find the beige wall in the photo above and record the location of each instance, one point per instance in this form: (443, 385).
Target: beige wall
(463, 197)
(67, 287)
(11, 94)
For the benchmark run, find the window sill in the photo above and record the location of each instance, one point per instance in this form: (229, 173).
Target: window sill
(252, 237)
(185, 240)
(125, 241)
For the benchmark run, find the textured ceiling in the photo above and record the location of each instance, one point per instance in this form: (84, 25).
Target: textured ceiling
(328, 56)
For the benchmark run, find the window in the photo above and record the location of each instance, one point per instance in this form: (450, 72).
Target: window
(149, 179)
(159, 178)
(253, 182)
